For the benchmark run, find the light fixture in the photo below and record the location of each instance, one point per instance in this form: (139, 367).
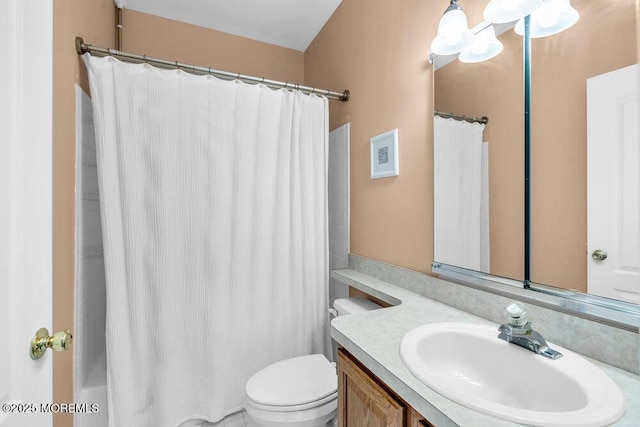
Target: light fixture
(485, 46)
(503, 11)
(453, 32)
(551, 18)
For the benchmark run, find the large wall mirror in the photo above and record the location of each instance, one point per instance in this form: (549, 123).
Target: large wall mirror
(567, 218)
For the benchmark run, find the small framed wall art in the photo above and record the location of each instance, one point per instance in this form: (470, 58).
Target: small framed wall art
(384, 155)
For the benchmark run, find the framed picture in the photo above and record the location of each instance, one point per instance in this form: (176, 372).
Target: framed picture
(384, 155)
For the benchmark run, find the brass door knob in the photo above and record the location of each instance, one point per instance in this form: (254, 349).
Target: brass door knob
(60, 341)
(599, 255)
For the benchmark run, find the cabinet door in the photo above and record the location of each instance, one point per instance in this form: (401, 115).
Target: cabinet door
(362, 400)
(414, 419)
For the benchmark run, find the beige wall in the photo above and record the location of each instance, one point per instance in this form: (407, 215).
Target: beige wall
(95, 21)
(167, 39)
(379, 50)
(90, 19)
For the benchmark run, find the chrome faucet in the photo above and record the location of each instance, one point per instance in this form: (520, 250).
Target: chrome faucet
(519, 332)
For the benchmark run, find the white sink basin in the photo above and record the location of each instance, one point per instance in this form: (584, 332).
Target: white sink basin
(470, 365)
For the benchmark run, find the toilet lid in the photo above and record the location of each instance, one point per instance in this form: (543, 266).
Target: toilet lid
(295, 381)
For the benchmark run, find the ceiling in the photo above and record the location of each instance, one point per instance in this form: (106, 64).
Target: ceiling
(288, 23)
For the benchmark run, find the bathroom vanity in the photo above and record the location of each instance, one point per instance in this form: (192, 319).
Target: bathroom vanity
(376, 388)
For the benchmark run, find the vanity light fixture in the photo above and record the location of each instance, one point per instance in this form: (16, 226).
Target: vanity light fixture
(485, 46)
(503, 11)
(551, 18)
(453, 32)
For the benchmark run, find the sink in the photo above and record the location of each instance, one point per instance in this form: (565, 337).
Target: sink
(470, 365)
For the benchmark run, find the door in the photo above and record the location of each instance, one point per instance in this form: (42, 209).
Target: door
(613, 184)
(25, 209)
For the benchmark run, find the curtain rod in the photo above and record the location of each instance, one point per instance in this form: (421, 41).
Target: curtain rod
(82, 47)
(484, 119)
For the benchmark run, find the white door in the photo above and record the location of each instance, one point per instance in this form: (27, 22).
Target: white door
(25, 209)
(613, 164)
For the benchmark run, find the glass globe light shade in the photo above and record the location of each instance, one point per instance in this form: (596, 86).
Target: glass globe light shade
(503, 11)
(485, 46)
(453, 33)
(552, 17)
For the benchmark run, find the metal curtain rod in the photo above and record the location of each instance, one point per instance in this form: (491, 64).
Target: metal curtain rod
(484, 119)
(82, 48)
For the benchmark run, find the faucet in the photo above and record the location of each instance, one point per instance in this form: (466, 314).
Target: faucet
(518, 331)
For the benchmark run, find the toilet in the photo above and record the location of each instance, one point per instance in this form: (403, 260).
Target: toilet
(301, 391)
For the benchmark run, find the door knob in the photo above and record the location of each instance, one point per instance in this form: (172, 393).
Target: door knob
(599, 255)
(60, 341)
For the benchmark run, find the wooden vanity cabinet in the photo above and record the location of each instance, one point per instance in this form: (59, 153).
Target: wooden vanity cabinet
(364, 401)
(414, 419)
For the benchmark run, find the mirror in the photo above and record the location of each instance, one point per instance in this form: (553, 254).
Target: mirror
(493, 89)
(604, 39)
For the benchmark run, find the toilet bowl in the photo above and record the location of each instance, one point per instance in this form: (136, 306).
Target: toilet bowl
(301, 391)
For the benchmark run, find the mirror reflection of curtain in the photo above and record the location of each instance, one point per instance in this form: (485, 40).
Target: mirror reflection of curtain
(461, 194)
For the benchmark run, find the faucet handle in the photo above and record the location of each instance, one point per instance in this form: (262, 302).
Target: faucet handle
(516, 314)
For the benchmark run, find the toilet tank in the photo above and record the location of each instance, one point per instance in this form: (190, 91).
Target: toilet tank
(354, 305)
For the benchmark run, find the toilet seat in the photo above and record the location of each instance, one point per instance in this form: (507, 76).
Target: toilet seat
(293, 384)
(292, 408)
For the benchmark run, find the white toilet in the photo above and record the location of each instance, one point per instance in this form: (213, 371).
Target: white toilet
(301, 391)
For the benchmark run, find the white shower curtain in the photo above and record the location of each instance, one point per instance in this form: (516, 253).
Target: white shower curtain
(461, 192)
(214, 213)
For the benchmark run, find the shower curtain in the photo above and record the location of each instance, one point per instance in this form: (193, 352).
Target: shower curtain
(214, 214)
(461, 194)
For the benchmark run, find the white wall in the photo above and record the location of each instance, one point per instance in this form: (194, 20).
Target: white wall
(90, 369)
(338, 208)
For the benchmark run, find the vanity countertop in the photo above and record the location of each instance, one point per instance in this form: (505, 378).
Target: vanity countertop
(374, 338)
